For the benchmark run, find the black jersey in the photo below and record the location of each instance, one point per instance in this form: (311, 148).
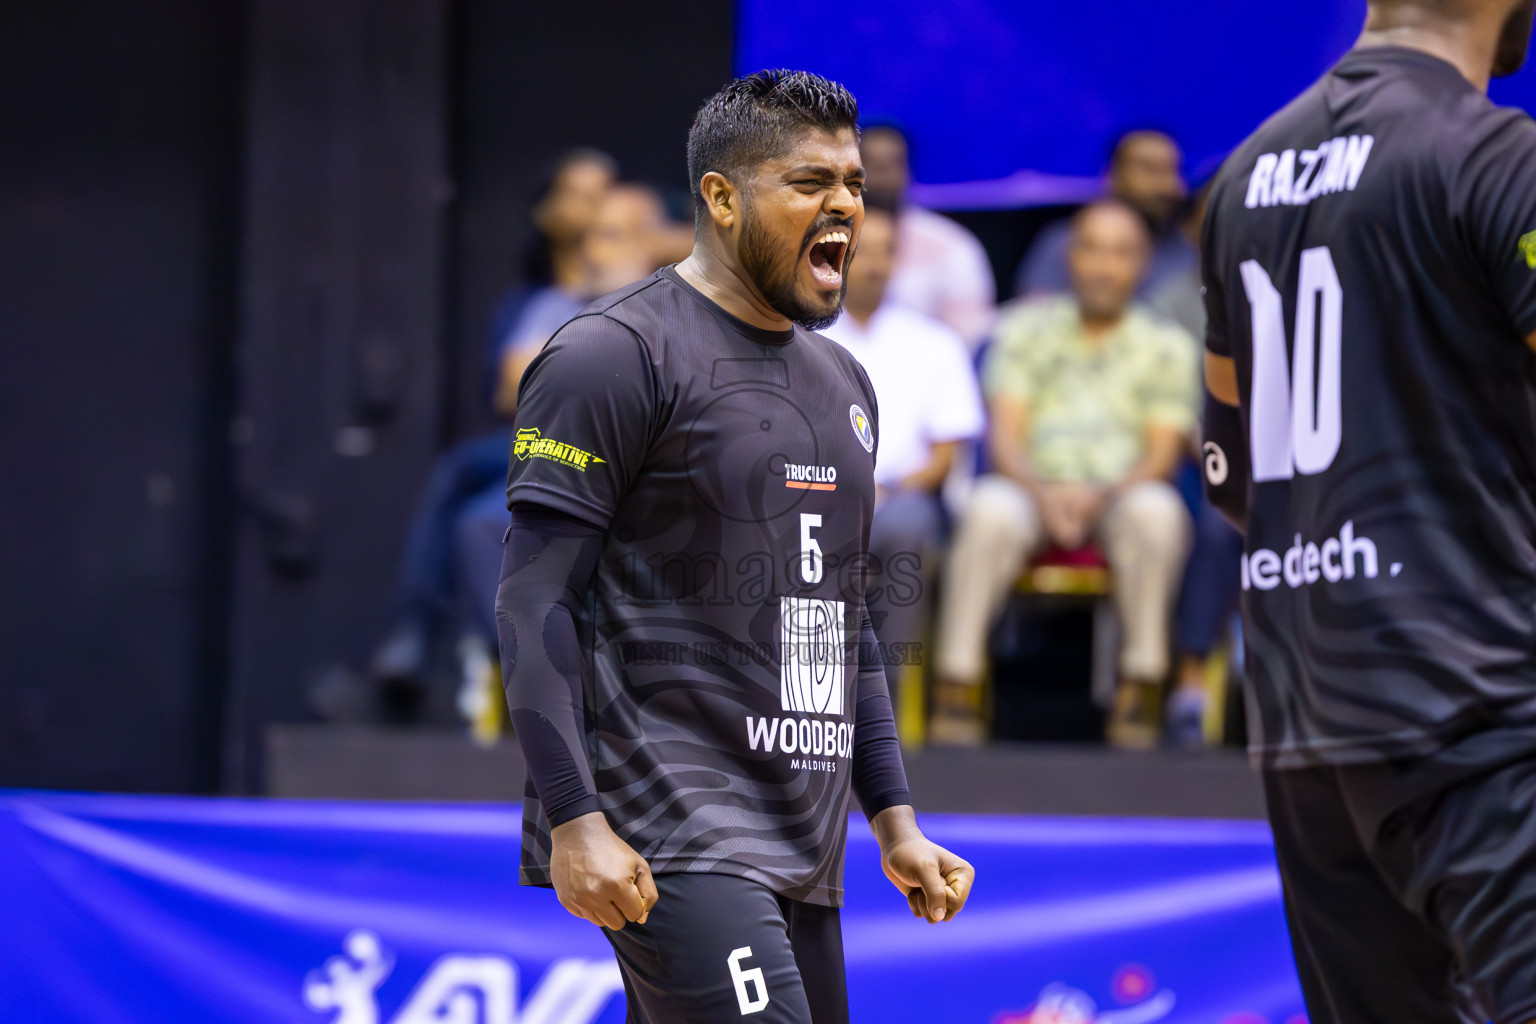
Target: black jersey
(1370, 265)
(732, 469)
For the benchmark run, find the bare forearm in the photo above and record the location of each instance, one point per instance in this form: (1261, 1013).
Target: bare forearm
(582, 828)
(931, 476)
(1008, 439)
(513, 366)
(894, 824)
(1009, 459)
(1145, 470)
(1164, 450)
(1221, 377)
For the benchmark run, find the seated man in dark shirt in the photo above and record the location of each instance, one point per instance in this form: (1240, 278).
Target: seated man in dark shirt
(1144, 174)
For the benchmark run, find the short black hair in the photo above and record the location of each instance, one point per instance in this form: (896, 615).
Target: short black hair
(1111, 203)
(570, 158)
(888, 124)
(1122, 140)
(537, 267)
(757, 117)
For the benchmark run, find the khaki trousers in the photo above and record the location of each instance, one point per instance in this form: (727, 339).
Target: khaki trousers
(1145, 535)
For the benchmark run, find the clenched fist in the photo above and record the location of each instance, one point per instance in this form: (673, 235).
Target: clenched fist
(598, 876)
(936, 882)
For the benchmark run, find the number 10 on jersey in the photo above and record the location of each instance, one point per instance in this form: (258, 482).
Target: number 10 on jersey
(1295, 414)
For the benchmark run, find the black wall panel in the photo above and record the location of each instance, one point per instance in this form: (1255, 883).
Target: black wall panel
(346, 191)
(119, 134)
(536, 79)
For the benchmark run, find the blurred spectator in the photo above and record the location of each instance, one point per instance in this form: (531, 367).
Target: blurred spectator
(1208, 600)
(627, 239)
(941, 269)
(1209, 595)
(622, 242)
(1144, 173)
(1179, 295)
(556, 270)
(559, 276)
(1091, 401)
(929, 405)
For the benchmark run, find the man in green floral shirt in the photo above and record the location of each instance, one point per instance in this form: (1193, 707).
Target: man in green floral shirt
(1092, 401)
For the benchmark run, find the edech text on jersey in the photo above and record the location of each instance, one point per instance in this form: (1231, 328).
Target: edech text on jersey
(1302, 565)
(1290, 178)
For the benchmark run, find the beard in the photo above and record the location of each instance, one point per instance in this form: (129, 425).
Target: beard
(1514, 40)
(1097, 304)
(775, 277)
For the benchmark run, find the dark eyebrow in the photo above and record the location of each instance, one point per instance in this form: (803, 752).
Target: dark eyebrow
(821, 171)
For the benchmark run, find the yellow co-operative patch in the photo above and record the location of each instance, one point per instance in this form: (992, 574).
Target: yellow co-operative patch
(530, 445)
(1528, 248)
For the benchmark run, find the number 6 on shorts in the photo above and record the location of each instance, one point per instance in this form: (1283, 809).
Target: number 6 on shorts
(749, 1003)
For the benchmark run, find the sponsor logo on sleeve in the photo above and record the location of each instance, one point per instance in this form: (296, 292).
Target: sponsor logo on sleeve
(1528, 248)
(1216, 468)
(530, 444)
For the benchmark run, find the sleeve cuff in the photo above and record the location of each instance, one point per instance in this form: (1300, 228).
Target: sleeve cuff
(534, 493)
(874, 805)
(575, 809)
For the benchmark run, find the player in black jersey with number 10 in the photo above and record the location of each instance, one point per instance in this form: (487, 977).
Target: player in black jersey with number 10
(1370, 273)
(691, 670)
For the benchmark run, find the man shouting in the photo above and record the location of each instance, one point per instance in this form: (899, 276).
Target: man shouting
(690, 667)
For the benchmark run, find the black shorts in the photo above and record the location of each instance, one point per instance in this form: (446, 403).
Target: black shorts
(718, 948)
(1410, 886)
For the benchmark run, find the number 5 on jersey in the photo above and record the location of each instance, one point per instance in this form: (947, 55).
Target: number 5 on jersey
(756, 998)
(1295, 416)
(810, 551)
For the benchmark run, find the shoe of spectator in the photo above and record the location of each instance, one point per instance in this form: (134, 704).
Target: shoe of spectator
(343, 695)
(1184, 724)
(956, 720)
(399, 670)
(403, 655)
(1133, 718)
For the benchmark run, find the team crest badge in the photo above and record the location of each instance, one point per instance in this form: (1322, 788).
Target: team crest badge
(861, 427)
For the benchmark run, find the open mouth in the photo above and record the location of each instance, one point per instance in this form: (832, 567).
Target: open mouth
(826, 255)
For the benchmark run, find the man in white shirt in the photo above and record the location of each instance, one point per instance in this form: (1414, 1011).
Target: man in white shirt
(929, 406)
(941, 271)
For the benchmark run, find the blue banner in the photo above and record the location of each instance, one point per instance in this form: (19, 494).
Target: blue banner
(138, 909)
(990, 87)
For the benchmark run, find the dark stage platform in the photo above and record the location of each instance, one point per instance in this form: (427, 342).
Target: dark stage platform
(382, 764)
